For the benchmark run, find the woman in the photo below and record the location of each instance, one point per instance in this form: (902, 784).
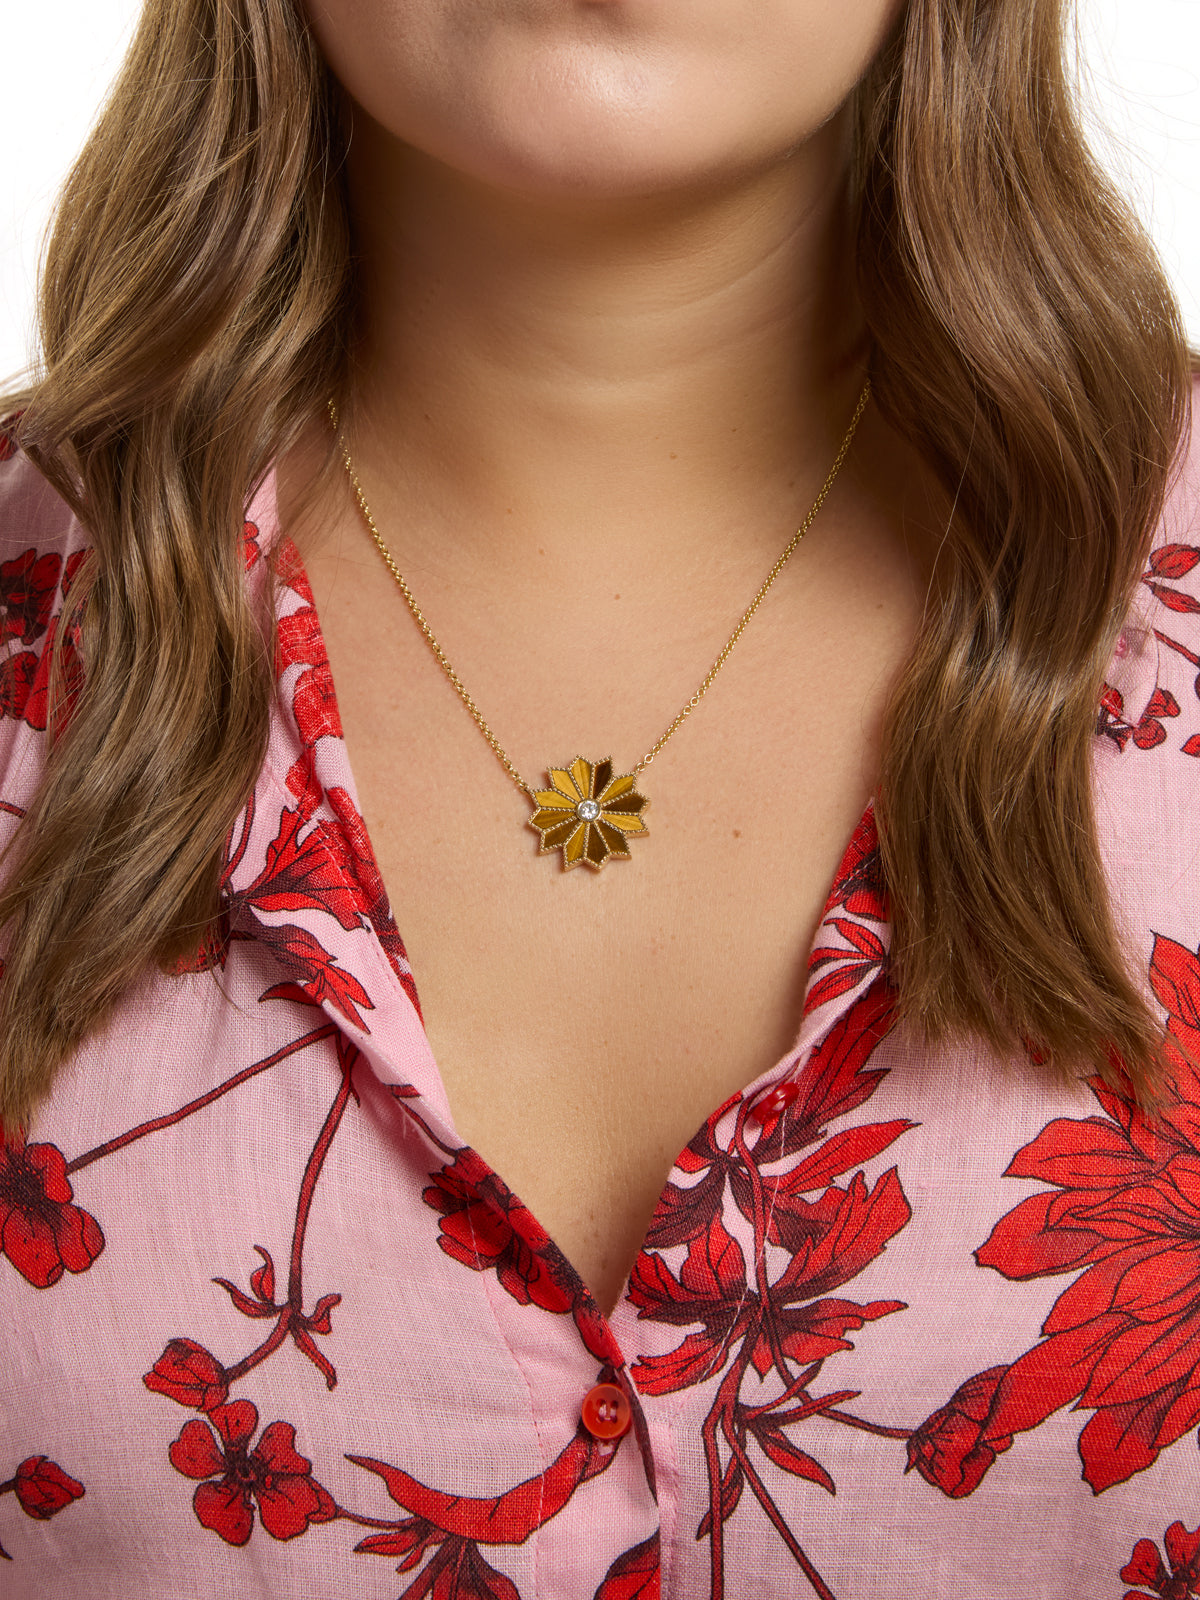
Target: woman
(573, 304)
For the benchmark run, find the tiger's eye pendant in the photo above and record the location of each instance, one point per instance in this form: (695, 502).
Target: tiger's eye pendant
(587, 813)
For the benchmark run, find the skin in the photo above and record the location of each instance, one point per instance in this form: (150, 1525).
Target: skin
(609, 344)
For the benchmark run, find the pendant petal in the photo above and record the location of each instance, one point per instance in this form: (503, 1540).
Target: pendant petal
(581, 774)
(574, 847)
(596, 851)
(601, 778)
(617, 786)
(565, 784)
(625, 805)
(614, 840)
(553, 838)
(551, 800)
(545, 819)
(626, 824)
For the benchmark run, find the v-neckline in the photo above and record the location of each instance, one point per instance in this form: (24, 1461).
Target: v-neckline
(847, 951)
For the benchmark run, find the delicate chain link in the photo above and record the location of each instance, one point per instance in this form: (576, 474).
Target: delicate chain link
(460, 688)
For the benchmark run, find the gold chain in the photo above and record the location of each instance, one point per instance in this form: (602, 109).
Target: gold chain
(460, 688)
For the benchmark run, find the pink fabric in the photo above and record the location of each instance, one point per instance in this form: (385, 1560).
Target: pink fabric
(268, 1329)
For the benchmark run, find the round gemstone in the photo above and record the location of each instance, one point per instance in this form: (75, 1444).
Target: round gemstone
(588, 810)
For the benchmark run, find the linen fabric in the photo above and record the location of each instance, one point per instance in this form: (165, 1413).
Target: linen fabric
(906, 1322)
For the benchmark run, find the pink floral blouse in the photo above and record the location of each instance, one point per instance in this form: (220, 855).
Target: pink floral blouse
(905, 1325)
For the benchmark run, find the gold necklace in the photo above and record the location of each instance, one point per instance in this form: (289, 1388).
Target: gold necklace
(588, 812)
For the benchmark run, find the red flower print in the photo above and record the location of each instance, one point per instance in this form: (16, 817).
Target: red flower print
(1173, 560)
(859, 887)
(1174, 599)
(302, 873)
(315, 974)
(289, 1314)
(749, 1310)
(860, 957)
(289, 569)
(272, 1475)
(1123, 1339)
(188, 1373)
(860, 892)
(42, 1488)
(314, 706)
(454, 1526)
(71, 568)
(633, 1575)
(251, 553)
(41, 1232)
(1148, 732)
(488, 1229)
(1146, 1566)
(304, 785)
(62, 640)
(848, 1229)
(16, 680)
(28, 585)
(350, 840)
(951, 1448)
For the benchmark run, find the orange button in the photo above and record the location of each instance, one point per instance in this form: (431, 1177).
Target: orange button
(776, 1101)
(606, 1412)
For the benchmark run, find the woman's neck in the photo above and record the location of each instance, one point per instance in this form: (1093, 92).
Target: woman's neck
(535, 378)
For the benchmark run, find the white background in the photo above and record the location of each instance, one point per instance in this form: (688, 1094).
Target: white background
(1141, 59)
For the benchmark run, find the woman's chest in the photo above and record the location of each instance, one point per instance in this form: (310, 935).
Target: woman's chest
(586, 1021)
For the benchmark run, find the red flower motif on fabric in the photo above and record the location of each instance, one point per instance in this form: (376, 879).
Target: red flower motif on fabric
(859, 888)
(41, 1232)
(488, 1229)
(1148, 732)
(954, 1447)
(454, 1526)
(28, 585)
(17, 673)
(1146, 1566)
(754, 1313)
(860, 893)
(303, 873)
(314, 706)
(1172, 562)
(273, 1476)
(349, 840)
(316, 977)
(42, 1490)
(251, 554)
(1168, 565)
(289, 569)
(63, 640)
(190, 1375)
(1123, 1339)
(634, 1575)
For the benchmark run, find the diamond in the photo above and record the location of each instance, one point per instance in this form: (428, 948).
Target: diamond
(588, 810)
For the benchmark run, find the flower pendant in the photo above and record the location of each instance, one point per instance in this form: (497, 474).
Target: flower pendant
(588, 814)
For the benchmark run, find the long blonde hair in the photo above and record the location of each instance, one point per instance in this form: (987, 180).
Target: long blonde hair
(196, 311)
